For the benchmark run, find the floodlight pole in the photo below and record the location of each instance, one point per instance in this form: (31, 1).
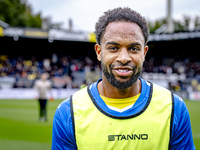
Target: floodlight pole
(170, 25)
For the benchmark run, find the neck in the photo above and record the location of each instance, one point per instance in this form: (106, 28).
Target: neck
(107, 90)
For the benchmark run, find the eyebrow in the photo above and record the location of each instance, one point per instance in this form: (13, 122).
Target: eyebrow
(132, 44)
(113, 43)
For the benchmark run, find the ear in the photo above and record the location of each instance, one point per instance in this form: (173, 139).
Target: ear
(145, 51)
(98, 51)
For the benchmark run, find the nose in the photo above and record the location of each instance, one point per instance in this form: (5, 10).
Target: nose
(124, 56)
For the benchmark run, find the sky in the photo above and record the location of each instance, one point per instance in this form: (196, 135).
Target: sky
(85, 13)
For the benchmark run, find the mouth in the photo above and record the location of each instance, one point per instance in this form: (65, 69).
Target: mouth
(123, 72)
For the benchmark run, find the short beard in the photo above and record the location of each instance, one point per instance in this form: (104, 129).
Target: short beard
(118, 84)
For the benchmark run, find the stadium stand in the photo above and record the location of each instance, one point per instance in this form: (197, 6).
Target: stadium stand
(63, 71)
(75, 71)
(70, 59)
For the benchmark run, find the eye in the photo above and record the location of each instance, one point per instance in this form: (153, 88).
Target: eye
(113, 48)
(134, 49)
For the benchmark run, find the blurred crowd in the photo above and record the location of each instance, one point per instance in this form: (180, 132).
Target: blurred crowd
(170, 65)
(66, 72)
(188, 67)
(63, 71)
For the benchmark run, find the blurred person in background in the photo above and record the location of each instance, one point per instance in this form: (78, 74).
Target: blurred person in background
(43, 87)
(121, 110)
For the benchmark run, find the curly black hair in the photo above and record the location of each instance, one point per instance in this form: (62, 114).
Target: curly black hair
(120, 14)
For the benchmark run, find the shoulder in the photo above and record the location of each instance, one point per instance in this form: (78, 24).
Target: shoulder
(181, 136)
(180, 108)
(80, 97)
(62, 133)
(181, 128)
(63, 111)
(49, 81)
(159, 89)
(178, 102)
(180, 111)
(37, 81)
(162, 95)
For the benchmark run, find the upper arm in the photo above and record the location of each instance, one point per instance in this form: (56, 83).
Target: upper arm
(62, 133)
(181, 129)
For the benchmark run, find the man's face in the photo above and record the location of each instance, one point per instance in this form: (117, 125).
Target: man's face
(122, 52)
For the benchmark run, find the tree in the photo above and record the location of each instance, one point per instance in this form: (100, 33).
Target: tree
(179, 26)
(187, 20)
(153, 26)
(197, 22)
(18, 13)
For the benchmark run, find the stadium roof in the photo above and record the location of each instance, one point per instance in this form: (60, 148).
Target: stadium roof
(65, 35)
(3, 24)
(174, 36)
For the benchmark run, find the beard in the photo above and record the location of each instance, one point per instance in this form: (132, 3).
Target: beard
(119, 84)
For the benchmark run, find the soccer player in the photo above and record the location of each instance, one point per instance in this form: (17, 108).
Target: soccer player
(121, 111)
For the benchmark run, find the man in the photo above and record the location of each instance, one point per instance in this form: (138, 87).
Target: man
(122, 111)
(42, 87)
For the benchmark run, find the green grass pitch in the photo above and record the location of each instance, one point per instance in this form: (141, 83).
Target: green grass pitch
(21, 130)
